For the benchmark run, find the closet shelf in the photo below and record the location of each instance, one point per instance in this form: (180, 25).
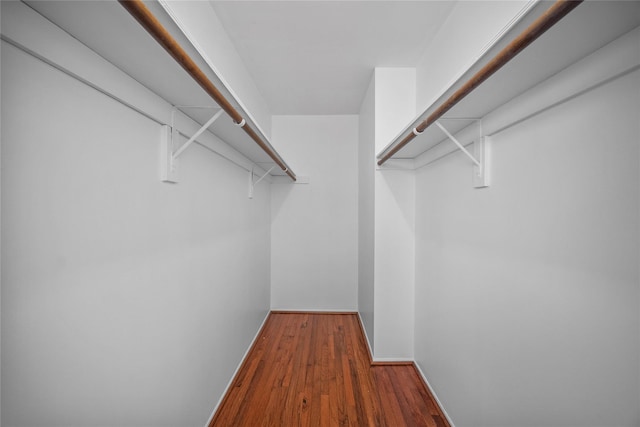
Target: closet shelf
(143, 15)
(133, 51)
(501, 74)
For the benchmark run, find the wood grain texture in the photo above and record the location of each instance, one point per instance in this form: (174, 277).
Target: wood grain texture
(312, 369)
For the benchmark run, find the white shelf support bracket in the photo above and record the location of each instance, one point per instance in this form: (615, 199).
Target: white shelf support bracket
(253, 183)
(169, 157)
(168, 165)
(479, 157)
(197, 134)
(455, 141)
(481, 148)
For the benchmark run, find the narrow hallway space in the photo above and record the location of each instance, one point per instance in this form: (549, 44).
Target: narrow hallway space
(314, 369)
(313, 213)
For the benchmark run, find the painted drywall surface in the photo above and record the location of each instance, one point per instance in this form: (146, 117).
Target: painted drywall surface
(118, 290)
(202, 26)
(395, 91)
(394, 221)
(314, 231)
(468, 30)
(394, 265)
(527, 292)
(366, 213)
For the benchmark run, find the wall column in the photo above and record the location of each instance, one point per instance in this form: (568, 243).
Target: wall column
(394, 242)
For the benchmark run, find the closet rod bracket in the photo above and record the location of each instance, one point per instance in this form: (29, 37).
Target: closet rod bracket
(253, 183)
(481, 148)
(168, 141)
(199, 132)
(480, 156)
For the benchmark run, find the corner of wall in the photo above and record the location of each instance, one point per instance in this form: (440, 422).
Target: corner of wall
(394, 207)
(366, 211)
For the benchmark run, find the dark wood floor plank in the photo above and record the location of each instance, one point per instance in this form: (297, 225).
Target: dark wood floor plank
(388, 407)
(314, 370)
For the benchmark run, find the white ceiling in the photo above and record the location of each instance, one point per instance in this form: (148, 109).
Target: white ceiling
(317, 57)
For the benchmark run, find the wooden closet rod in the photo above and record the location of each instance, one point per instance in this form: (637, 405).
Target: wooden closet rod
(143, 15)
(554, 14)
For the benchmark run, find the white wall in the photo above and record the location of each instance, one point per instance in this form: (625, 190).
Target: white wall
(527, 293)
(366, 213)
(118, 290)
(394, 221)
(314, 231)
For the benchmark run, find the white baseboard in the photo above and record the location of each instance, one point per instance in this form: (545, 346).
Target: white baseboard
(312, 310)
(233, 377)
(392, 360)
(366, 337)
(411, 360)
(435, 396)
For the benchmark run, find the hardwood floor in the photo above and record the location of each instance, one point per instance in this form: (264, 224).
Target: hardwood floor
(315, 370)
